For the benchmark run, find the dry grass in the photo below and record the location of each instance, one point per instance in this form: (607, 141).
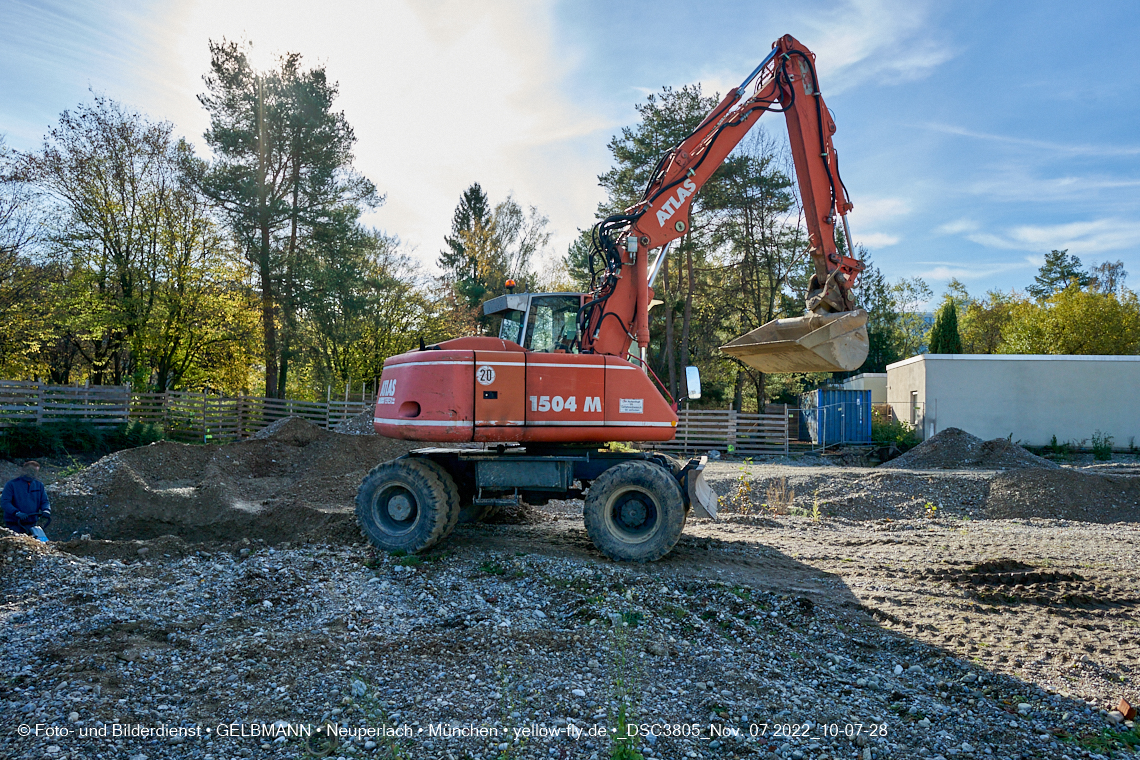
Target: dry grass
(780, 498)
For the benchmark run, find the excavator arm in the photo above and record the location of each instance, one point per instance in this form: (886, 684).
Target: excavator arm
(617, 312)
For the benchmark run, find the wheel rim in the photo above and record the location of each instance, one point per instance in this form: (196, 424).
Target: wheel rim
(395, 509)
(632, 515)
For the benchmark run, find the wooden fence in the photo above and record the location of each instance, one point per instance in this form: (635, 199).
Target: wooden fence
(37, 403)
(199, 417)
(207, 418)
(729, 432)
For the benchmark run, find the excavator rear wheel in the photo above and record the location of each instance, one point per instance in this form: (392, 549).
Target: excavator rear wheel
(454, 497)
(407, 505)
(635, 512)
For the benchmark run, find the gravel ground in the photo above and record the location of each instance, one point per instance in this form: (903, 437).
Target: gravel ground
(878, 628)
(792, 628)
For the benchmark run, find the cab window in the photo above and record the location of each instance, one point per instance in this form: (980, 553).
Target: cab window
(552, 324)
(511, 326)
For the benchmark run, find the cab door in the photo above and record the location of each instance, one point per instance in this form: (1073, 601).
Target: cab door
(500, 395)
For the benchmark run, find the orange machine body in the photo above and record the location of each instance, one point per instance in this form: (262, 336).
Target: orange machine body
(492, 390)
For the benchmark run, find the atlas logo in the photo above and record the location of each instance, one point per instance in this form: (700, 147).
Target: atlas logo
(674, 203)
(387, 392)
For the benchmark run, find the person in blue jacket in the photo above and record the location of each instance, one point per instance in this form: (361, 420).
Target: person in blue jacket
(25, 500)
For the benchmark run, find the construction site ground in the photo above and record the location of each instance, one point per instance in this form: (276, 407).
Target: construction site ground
(210, 593)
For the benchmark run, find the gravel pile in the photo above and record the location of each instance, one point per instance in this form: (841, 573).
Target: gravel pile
(849, 493)
(861, 493)
(479, 654)
(1065, 494)
(953, 449)
(361, 424)
(225, 591)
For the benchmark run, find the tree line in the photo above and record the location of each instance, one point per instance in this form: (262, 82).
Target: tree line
(127, 257)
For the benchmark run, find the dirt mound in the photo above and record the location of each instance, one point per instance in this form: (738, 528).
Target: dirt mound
(294, 481)
(955, 449)
(1064, 495)
(291, 430)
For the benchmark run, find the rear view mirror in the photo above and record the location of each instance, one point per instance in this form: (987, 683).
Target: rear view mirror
(693, 382)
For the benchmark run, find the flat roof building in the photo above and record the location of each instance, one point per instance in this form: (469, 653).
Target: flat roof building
(1029, 397)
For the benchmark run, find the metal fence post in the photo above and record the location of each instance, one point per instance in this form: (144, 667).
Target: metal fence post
(732, 422)
(686, 449)
(787, 432)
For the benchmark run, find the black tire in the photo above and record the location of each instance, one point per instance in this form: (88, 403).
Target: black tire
(407, 505)
(635, 512)
(453, 496)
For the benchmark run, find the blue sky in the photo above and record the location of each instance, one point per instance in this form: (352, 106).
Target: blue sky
(974, 137)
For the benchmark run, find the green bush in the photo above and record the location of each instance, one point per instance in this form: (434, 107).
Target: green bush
(57, 439)
(1102, 446)
(886, 431)
(1057, 450)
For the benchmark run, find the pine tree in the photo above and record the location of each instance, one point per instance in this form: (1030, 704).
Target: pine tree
(473, 211)
(944, 338)
(282, 166)
(1056, 273)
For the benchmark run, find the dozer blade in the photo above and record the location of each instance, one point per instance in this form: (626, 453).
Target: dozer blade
(817, 343)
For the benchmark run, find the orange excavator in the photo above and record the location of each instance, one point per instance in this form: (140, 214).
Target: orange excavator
(568, 370)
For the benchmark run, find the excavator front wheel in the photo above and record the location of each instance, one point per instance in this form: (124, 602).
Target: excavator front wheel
(635, 512)
(407, 505)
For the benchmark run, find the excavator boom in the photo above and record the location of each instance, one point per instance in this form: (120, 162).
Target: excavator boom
(617, 311)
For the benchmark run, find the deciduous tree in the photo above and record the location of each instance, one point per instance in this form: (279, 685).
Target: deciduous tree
(1074, 321)
(911, 296)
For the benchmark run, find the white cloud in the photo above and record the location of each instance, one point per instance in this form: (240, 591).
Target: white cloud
(440, 94)
(957, 227)
(875, 211)
(876, 240)
(1018, 185)
(884, 40)
(1078, 237)
(951, 270)
(1075, 149)
(870, 214)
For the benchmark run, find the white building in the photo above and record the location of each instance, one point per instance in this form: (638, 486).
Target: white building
(876, 382)
(1029, 397)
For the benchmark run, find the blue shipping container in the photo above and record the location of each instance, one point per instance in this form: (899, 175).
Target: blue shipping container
(832, 417)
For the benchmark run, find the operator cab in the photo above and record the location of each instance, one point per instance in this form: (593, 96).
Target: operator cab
(541, 322)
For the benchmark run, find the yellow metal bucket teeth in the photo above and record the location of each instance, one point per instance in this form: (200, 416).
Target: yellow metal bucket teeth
(816, 343)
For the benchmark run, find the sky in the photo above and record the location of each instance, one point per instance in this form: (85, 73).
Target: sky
(974, 137)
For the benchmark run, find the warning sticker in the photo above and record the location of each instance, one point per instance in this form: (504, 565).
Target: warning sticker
(631, 406)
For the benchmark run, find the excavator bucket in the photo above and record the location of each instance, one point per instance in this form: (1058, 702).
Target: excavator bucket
(816, 343)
